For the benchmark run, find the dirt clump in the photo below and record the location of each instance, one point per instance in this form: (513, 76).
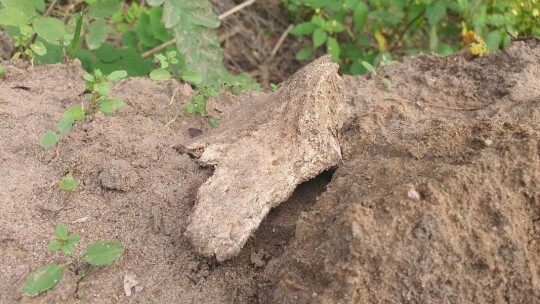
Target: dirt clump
(272, 143)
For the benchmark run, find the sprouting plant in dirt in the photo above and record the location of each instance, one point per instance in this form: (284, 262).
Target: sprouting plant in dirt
(274, 87)
(164, 62)
(68, 183)
(27, 48)
(96, 254)
(165, 69)
(2, 71)
(97, 86)
(384, 62)
(197, 102)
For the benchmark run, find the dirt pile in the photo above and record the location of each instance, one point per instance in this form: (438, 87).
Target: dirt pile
(437, 198)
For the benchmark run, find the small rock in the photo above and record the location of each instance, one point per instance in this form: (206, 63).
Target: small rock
(412, 193)
(139, 289)
(130, 281)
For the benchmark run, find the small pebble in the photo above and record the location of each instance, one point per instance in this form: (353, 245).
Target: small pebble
(139, 288)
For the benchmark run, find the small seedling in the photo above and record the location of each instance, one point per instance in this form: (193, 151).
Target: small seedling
(370, 68)
(2, 71)
(274, 87)
(98, 86)
(64, 241)
(197, 103)
(26, 47)
(165, 63)
(96, 254)
(68, 183)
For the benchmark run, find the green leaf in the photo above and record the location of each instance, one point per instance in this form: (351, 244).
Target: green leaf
(25, 6)
(13, 16)
(189, 13)
(49, 139)
(304, 54)
(319, 37)
(102, 88)
(43, 279)
(154, 2)
(303, 28)
(117, 75)
(73, 238)
(332, 47)
(160, 74)
(39, 5)
(213, 123)
(61, 231)
(350, 3)
(2, 71)
(68, 183)
(89, 77)
(368, 66)
(39, 48)
(103, 253)
(65, 124)
(76, 35)
(193, 24)
(192, 77)
(97, 34)
(494, 39)
(110, 105)
(104, 8)
(75, 112)
(67, 248)
(435, 11)
(50, 29)
(360, 14)
(54, 245)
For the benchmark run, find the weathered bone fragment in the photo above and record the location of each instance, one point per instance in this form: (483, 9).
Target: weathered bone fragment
(269, 146)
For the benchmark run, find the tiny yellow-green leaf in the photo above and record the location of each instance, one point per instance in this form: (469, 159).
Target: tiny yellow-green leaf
(68, 183)
(49, 139)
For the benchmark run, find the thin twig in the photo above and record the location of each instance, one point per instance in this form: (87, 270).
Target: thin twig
(280, 41)
(158, 48)
(174, 95)
(50, 8)
(236, 9)
(172, 120)
(221, 17)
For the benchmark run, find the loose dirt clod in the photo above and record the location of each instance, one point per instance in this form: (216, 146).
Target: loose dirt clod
(274, 143)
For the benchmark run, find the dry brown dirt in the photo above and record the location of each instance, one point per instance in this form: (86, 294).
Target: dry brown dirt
(437, 199)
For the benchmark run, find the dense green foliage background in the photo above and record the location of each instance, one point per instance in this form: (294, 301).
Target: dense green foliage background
(354, 31)
(120, 35)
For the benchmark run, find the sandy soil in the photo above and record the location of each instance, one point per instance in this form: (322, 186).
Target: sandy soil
(437, 199)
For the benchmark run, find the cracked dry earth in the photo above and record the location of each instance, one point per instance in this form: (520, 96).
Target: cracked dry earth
(436, 198)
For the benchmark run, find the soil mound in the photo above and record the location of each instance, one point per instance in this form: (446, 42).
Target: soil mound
(437, 198)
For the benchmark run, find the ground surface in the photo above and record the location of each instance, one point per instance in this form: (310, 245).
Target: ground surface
(437, 199)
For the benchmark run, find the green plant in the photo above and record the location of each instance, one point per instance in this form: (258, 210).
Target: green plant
(64, 241)
(197, 102)
(68, 183)
(2, 71)
(274, 87)
(383, 80)
(165, 70)
(32, 33)
(355, 31)
(97, 85)
(96, 254)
